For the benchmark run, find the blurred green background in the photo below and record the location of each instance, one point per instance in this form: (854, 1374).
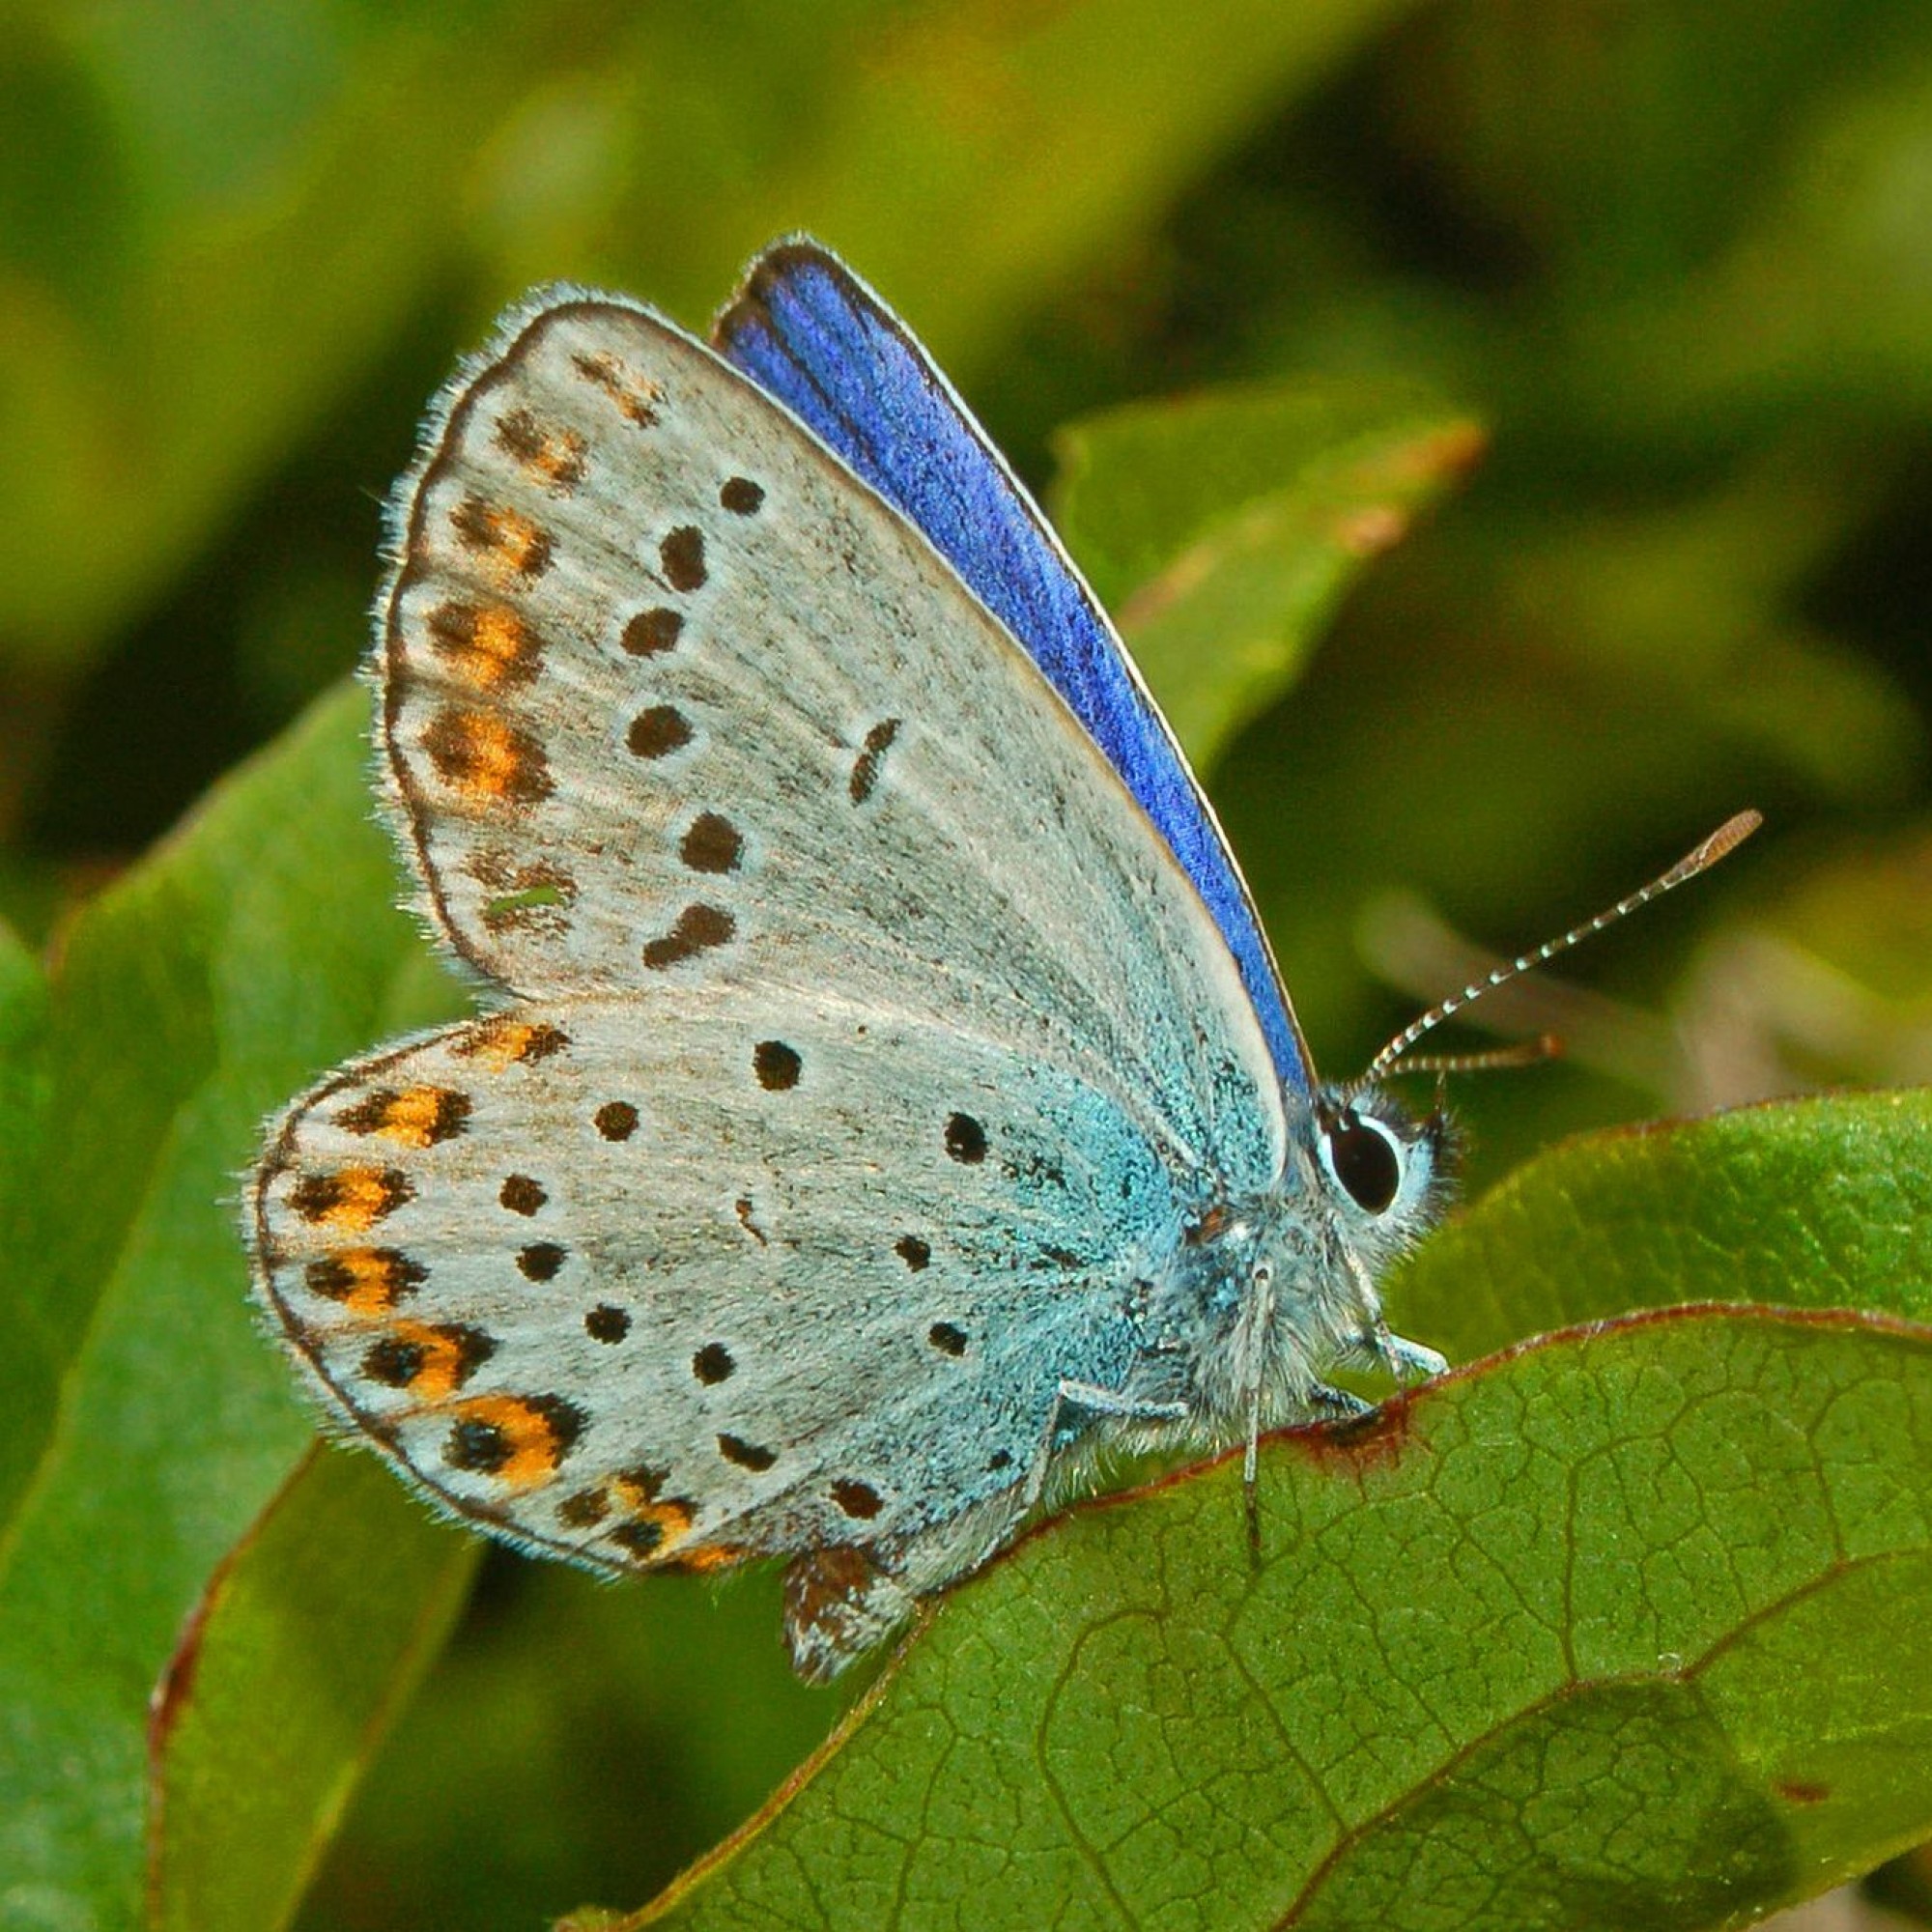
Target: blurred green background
(1677, 258)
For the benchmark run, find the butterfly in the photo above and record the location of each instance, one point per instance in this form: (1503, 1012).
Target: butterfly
(886, 1099)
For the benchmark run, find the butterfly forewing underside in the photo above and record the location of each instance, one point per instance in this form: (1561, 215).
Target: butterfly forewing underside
(862, 1045)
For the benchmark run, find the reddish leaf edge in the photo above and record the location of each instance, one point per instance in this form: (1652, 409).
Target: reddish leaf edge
(1352, 1446)
(174, 1688)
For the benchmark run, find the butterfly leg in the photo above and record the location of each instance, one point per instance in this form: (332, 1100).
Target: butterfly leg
(1333, 1404)
(1097, 1400)
(1408, 1361)
(1324, 1405)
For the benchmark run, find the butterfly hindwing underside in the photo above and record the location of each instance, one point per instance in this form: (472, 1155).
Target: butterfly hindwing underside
(859, 1052)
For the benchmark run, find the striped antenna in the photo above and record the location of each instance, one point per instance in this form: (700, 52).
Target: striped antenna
(1490, 1060)
(1728, 838)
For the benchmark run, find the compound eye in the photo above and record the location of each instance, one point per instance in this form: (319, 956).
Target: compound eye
(1364, 1157)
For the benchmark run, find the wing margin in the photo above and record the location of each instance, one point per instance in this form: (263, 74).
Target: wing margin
(819, 341)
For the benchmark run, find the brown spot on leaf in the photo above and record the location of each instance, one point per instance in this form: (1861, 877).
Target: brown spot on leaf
(1801, 1791)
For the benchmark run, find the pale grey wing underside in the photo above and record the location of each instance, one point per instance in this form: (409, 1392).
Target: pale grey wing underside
(748, 1272)
(672, 699)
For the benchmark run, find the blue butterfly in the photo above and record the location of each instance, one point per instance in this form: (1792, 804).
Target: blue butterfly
(887, 1099)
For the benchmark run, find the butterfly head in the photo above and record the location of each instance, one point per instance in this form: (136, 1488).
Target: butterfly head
(1382, 1172)
(1387, 1171)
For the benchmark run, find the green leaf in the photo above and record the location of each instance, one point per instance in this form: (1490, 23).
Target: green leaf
(263, 206)
(1808, 1204)
(145, 1421)
(1223, 530)
(978, 151)
(312, 1632)
(1617, 1628)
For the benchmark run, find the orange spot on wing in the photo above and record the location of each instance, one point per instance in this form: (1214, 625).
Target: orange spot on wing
(635, 396)
(653, 1524)
(486, 757)
(705, 1557)
(433, 1362)
(651, 1533)
(365, 1281)
(520, 1441)
(509, 545)
(418, 1118)
(351, 1200)
(505, 1042)
(553, 456)
(486, 645)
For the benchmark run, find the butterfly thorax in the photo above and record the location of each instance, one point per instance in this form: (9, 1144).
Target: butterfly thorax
(1261, 1296)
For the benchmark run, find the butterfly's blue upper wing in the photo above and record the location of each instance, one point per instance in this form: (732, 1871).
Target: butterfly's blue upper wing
(811, 334)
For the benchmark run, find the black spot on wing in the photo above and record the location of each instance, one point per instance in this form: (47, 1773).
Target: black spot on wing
(711, 844)
(521, 1195)
(777, 1066)
(697, 928)
(682, 556)
(752, 1456)
(866, 766)
(658, 732)
(652, 632)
